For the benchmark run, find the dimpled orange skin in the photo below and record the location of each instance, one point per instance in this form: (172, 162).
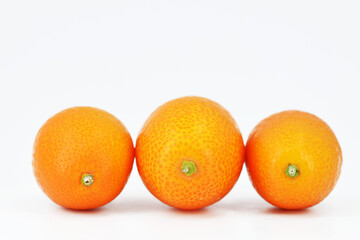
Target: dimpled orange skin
(190, 129)
(82, 140)
(299, 138)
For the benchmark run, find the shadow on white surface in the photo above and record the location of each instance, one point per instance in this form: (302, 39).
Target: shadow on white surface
(143, 205)
(258, 206)
(96, 211)
(133, 205)
(279, 211)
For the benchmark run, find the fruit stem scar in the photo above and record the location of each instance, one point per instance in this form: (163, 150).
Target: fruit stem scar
(87, 179)
(292, 170)
(188, 168)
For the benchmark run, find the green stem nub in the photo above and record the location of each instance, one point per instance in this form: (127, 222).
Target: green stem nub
(87, 179)
(292, 170)
(188, 168)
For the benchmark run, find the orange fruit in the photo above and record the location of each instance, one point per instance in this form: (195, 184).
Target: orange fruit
(293, 159)
(190, 153)
(83, 157)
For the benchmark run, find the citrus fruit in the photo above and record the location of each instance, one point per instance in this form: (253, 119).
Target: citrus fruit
(190, 153)
(82, 157)
(293, 159)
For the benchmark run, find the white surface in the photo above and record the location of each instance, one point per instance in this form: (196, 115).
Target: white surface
(128, 57)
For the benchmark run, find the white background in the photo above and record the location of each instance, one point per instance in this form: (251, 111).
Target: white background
(130, 56)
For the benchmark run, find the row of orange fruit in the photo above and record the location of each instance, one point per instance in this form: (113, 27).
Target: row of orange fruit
(189, 155)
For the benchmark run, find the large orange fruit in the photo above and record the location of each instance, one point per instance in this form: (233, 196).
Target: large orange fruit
(293, 159)
(83, 157)
(190, 153)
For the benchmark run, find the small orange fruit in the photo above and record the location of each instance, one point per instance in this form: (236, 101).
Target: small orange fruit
(83, 157)
(190, 153)
(293, 159)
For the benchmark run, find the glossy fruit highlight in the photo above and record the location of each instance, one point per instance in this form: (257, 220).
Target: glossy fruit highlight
(190, 153)
(293, 159)
(83, 157)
